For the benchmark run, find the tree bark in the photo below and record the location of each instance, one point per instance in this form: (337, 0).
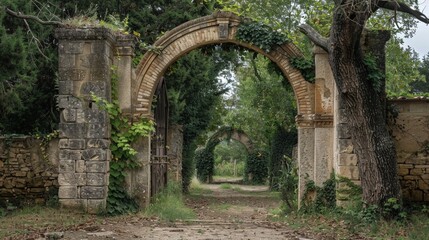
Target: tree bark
(365, 112)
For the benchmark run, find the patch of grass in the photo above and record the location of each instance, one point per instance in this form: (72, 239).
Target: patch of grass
(226, 186)
(349, 224)
(32, 220)
(221, 207)
(197, 189)
(168, 205)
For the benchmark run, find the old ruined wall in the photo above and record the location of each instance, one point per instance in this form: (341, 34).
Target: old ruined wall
(410, 130)
(28, 174)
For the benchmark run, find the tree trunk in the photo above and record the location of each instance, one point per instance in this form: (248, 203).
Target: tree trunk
(365, 111)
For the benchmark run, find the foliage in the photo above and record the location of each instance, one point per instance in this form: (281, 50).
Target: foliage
(260, 35)
(282, 144)
(288, 184)
(168, 205)
(305, 66)
(226, 168)
(266, 100)
(402, 69)
(419, 87)
(45, 140)
(256, 169)
(28, 57)
(319, 199)
(374, 74)
(123, 134)
(204, 160)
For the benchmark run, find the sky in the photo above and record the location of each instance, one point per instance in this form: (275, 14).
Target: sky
(420, 41)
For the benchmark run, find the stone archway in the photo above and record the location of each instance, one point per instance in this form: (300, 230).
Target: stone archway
(226, 133)
(217, 28)
(315, 102)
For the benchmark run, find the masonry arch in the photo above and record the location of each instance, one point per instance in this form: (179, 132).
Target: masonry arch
(205, 160)
(315, 102)
(219, 27)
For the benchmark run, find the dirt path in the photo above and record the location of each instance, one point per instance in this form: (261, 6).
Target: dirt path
(223, 212)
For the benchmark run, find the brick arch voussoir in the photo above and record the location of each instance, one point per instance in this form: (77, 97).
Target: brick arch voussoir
(219, 27)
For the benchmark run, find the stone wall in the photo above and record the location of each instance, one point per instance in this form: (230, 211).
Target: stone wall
(411, 134)
(27, 174)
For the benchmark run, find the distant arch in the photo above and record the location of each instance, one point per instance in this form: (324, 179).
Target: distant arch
(227, 132)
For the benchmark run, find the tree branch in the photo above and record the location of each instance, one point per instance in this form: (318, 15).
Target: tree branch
(402, 7)
(23, 16)
(314, 36)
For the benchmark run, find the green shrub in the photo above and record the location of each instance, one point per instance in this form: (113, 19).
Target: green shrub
(226, 168)
(256, 170)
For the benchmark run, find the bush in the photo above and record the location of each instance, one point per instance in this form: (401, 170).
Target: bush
(204, 161)
(256, 170)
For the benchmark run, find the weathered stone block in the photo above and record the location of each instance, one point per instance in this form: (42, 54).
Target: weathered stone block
(96, 87)
(67, 179)
(80, 166)
(343, 131)
(99, 74)
(423, 185)
(72, 74)
(98, 143)
(70, 47)
(95, 206)
(91, 192)
(345, 146)
(96, 166)
(72, 130)
(403, 171)
(69, 102)
(66, 166)
(65, 87)
(65, 192)
(96, 179)
(96, 116)
(82, 179)
(69, 115)
(66, 154)
(98, 131)
(74, 203)
(417, 195)
(347, 159)
(94, 154)
(351, 172)
(416, 171)
(67, 61)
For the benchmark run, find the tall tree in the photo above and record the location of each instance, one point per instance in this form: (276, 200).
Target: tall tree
(364, 107)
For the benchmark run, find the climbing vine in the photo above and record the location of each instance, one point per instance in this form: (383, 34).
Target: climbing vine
(123, 134)
(305, 66)
(260, 35)
(44, 144)
(318, 199)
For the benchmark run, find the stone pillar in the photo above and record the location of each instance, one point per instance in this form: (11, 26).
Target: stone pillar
(175, 147)
(138, 180)
(124, 53)
(305, 157)
(85, 58)
(323, 120)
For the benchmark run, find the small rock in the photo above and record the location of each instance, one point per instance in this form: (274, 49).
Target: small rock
(101, 234)
(54, 235)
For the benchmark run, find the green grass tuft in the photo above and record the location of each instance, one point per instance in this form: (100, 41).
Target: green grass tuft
(168, 205)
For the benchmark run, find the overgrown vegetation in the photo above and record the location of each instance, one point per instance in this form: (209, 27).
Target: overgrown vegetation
(123, 134)
(256, 168)
(168, 205)
(260, 35)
